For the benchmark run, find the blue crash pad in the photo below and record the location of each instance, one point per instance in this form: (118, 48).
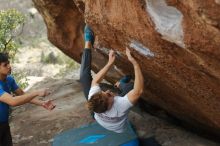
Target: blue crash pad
(95, 135)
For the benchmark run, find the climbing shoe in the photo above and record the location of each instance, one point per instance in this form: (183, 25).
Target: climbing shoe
(88, 34)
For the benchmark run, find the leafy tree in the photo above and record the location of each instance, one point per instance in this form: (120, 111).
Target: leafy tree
(11, 26)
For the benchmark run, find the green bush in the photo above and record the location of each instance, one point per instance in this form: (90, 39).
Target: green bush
(21, 79)
(69, 63)
(49, 59)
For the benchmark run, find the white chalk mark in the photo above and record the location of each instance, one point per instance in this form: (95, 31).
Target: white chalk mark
(168, 21)
(141, 48)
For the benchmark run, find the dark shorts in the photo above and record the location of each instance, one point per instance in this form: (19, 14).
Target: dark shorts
(5, 135)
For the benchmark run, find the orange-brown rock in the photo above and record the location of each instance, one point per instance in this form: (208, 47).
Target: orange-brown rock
(177, 44)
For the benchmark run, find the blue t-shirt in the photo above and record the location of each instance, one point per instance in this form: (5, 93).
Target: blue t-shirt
(6, 86)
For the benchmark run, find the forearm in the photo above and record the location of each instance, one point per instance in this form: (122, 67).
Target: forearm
(25, 98)
(33, 101)
(100, 75)
(37, 102)
(139, 81)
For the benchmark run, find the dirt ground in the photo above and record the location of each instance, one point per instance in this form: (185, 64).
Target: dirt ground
(35, 126)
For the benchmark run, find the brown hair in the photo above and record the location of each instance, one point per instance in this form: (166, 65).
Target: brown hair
(98, 103)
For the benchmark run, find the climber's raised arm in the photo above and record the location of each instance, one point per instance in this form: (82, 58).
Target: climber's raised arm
(136, 92)
(101, 74)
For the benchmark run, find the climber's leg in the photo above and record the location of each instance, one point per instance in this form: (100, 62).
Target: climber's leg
(85, 70)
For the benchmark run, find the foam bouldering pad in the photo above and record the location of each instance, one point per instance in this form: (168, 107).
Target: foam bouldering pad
(95, 135)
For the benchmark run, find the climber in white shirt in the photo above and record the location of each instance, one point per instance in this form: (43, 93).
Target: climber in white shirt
(110, 110)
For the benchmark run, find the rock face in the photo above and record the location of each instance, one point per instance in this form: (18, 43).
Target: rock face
(176, 43)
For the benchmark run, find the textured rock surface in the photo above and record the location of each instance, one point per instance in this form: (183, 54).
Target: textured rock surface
(176, 42)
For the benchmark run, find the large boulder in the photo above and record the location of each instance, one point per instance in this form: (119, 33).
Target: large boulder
(176, 43)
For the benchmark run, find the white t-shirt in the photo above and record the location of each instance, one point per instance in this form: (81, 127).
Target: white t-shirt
(115, 119)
